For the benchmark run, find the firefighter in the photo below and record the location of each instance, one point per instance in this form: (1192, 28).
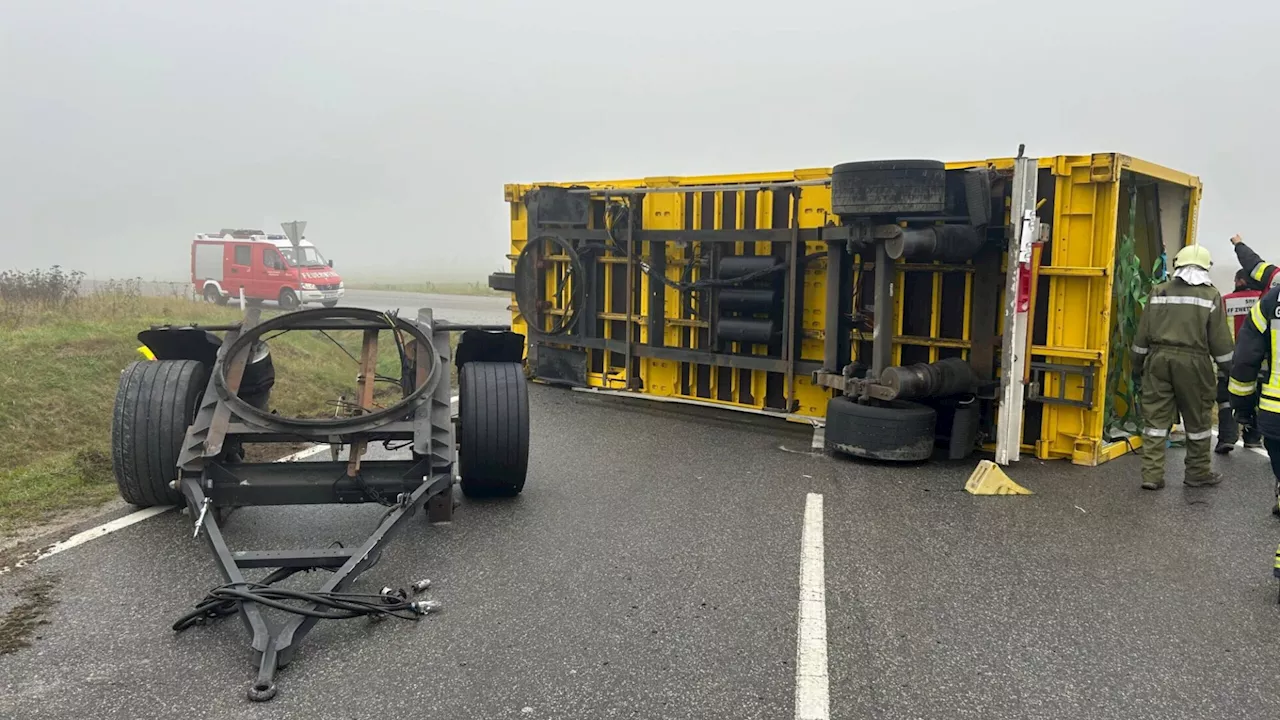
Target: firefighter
(1254, 343)
(1183, 332)
(1237, 304)
(1261, 272)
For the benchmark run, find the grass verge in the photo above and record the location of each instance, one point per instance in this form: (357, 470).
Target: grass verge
(59, 367)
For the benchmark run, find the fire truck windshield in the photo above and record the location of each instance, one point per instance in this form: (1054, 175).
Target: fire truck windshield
(302, 257)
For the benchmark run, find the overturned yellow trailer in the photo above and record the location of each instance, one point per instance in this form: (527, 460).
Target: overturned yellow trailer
(1011, 292)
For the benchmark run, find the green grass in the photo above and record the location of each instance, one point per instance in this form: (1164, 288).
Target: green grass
(58, 375)
(437, 288)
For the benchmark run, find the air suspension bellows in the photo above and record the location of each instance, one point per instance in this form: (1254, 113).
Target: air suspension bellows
(945, 243)
(749, 304)
(736, 266)
(951, 376)
(751, 331)
(748, 300)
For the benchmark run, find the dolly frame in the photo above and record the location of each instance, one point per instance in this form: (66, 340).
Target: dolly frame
(212, 487)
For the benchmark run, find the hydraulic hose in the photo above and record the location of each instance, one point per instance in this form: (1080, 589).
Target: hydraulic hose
(528, 300)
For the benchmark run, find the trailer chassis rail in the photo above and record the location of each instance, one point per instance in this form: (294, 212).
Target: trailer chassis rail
(212, 480)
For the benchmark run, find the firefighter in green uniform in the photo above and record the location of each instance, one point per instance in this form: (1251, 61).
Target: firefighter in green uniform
(1183, 332)
(1258, 342)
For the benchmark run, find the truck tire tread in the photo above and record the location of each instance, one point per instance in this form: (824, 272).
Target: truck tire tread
(493, 430)
(155, 403)
(897, 431)
(888, 187)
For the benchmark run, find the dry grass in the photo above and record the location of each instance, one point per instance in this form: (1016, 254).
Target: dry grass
(59, 367)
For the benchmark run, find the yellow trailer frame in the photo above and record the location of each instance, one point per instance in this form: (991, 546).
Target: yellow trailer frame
(648, 338)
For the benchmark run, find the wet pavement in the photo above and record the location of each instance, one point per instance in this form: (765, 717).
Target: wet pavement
(651, 570)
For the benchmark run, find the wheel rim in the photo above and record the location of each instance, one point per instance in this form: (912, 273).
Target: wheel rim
(288, 299)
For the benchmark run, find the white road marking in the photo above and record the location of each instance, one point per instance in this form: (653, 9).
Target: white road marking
(305, 453)
(81, 538)
(1261, 451)
(118, 524)
(819, 437)
(812, 692)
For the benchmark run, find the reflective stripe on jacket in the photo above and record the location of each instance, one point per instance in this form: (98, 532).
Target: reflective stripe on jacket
(1262, 272)
(1256, 344)
(1187, 317)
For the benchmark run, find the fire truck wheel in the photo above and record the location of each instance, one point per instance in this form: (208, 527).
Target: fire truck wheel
(155, 403)
(894, 431)
(888, 187)
(493, 429)
(213, 295)
(288, 299)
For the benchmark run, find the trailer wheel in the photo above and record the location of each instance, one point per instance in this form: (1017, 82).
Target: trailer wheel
(213, 295)
(888, 187)
(155, 403)
(493, 429)
(896, 431)
(289, 299)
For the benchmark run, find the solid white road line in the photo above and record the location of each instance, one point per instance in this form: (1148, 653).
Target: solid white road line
(812, 693)
(1261, 451)
(107, 528)
(305, 453)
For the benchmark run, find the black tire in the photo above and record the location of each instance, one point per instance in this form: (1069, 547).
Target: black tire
(896, 431)
(213, 295)
(155, 403)
(288, 299)
(888, 187)
(493, 429)
(329, 303)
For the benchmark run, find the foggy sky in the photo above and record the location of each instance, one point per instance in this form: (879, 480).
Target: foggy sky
(125, 127)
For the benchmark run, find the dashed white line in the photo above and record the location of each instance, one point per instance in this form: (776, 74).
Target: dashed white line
(819, 437)
(812, 683)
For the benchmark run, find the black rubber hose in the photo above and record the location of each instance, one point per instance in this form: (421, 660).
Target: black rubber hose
(527, 297)
(324, 428)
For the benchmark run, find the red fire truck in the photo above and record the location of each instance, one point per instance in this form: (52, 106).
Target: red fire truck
(262, 266)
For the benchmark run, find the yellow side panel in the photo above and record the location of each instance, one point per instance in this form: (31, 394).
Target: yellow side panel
(1079, 310)
(1073, 316)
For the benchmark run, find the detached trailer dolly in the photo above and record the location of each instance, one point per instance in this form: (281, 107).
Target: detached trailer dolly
(181, 422)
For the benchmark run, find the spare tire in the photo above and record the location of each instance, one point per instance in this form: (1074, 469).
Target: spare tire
(155, 403)
(493, 429)
(888, 187)
(896, 431)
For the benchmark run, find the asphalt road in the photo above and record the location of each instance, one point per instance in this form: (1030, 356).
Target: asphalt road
(651, 570)
(457, 308)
